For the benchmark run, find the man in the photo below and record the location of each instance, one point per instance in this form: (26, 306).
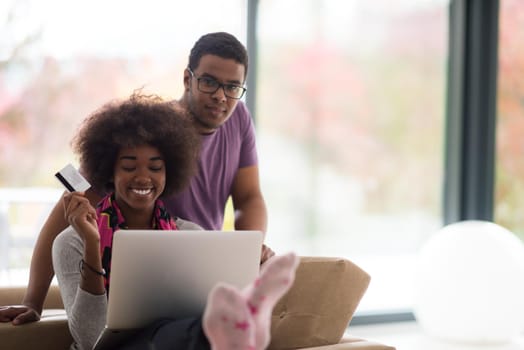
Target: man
(213, 84)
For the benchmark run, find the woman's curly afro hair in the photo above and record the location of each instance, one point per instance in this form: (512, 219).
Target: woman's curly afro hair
(139, 120)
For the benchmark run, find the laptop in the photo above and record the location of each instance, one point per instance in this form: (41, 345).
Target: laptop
(159, 274)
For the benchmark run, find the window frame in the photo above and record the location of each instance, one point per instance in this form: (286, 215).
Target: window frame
(471, 111)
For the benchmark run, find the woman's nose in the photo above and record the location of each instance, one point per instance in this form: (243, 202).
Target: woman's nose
(142, 176)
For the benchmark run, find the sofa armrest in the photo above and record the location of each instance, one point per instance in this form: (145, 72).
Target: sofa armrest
(51, 332)
(319, 305)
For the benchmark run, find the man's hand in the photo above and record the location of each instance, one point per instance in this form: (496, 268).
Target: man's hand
(18, 314)
(266, 254)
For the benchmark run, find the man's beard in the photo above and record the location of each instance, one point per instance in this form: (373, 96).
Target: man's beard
(200, 123)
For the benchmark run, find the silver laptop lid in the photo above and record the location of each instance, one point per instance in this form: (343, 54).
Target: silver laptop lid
(168, 274)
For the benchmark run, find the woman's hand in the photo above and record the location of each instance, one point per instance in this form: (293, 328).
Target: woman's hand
(80, 214)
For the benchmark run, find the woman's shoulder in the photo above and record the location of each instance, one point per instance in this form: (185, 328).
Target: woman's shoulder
(186, 225)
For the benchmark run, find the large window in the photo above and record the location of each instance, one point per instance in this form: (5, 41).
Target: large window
(350, 113)
(59, 61)
(350, 118)
(509, 189)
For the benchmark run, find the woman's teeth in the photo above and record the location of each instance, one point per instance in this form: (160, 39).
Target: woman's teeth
(142, 192)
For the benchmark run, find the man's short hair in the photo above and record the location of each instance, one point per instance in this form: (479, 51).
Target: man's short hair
(220, 44)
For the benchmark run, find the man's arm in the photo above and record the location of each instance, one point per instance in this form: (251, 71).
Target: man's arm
(249, 204)
(41, 271)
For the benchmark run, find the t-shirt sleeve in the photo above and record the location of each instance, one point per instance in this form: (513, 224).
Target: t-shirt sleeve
(248, 148)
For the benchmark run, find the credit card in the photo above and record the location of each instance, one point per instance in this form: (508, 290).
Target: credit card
(72, 180)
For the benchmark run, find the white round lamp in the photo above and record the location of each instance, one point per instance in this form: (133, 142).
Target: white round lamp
(469, 285)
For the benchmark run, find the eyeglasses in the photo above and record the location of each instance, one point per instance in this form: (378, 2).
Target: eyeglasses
(210, 86)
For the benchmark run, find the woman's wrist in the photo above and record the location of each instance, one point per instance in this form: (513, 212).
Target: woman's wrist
(90, 268)
(83, 266)
(92, 255)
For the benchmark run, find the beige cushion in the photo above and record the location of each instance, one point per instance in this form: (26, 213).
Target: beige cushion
(317, 309)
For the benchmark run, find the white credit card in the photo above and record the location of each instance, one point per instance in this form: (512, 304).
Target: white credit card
(72, 180)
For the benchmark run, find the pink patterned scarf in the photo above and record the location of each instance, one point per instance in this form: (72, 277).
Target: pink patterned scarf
(110, 219)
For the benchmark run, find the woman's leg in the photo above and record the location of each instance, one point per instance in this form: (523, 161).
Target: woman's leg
(227, 320)
(242, 319)
(276, 277)
(168, 334)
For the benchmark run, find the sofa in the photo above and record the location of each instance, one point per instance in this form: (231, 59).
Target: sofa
(313, 315)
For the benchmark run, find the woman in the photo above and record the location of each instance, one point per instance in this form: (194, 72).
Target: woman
(139, 150)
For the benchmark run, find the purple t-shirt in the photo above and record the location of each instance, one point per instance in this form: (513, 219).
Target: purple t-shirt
(230, 147)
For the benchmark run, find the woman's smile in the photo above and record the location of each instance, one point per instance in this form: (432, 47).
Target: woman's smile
(139, 178)
(142, 191)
